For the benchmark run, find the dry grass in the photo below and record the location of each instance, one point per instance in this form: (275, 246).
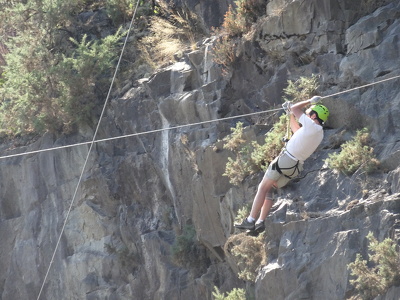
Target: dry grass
(164, 40)
(169, 37)
(248, 253)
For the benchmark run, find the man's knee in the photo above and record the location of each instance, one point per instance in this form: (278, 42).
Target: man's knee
(269, 201)
(266, 184)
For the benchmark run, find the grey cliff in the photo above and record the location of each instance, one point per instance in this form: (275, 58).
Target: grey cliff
(138, 193)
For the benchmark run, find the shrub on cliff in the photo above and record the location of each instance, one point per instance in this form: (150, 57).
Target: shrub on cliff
(248, 253)
(375, 276)
(187, 252)
(355, 154)
(237, 21)
(121, 11)
(239, 18)
(301, 89)
(239, 167)
(251, 157)
(235, 294)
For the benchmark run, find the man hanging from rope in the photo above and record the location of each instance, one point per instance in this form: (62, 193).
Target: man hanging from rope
(305, 140)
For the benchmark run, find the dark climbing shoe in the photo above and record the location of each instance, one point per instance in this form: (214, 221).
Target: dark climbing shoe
(258, 228)
(246, 225)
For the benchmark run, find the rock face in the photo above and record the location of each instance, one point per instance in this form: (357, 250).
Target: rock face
(138, 194)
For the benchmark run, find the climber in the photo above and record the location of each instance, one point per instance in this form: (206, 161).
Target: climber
(289, 163)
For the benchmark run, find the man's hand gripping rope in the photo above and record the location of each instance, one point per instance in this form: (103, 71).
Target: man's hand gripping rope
(315, 100)
(287, 107)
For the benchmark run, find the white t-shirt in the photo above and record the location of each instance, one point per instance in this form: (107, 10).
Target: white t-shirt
(306, 139)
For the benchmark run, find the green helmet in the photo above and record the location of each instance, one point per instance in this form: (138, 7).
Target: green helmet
(321, 110)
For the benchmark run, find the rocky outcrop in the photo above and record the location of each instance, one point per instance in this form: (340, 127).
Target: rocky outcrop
(137, 194)
(309, 257)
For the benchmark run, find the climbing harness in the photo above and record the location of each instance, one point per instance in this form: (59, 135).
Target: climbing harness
(295, 168)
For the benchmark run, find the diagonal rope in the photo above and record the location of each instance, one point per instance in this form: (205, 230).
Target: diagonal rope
(139, 133)
(181, 126)
(88, 155)
(360, 87)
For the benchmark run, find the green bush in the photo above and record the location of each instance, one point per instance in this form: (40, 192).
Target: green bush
(45, 91)
(301, 89)
(235, 294)
(2, 80)
(384, 272)
(251, 157)
(262, 155)
(242, 213)
(51, 83)
(240, 167)
(355, 155)
(235, 19)
(183, 245)
(239, 18)
(187, 252)
(247, 252)
(89, 66)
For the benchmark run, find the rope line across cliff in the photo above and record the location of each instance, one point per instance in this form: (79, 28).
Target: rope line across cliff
(88, 154)
(181, 126)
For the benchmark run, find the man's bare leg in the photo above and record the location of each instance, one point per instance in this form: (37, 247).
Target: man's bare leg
(266, 208)
(262, 202)
(261, 205)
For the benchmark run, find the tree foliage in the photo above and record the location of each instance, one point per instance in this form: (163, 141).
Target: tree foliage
(50, 80)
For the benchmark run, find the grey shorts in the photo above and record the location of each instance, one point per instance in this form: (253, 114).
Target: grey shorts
(288, 166)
